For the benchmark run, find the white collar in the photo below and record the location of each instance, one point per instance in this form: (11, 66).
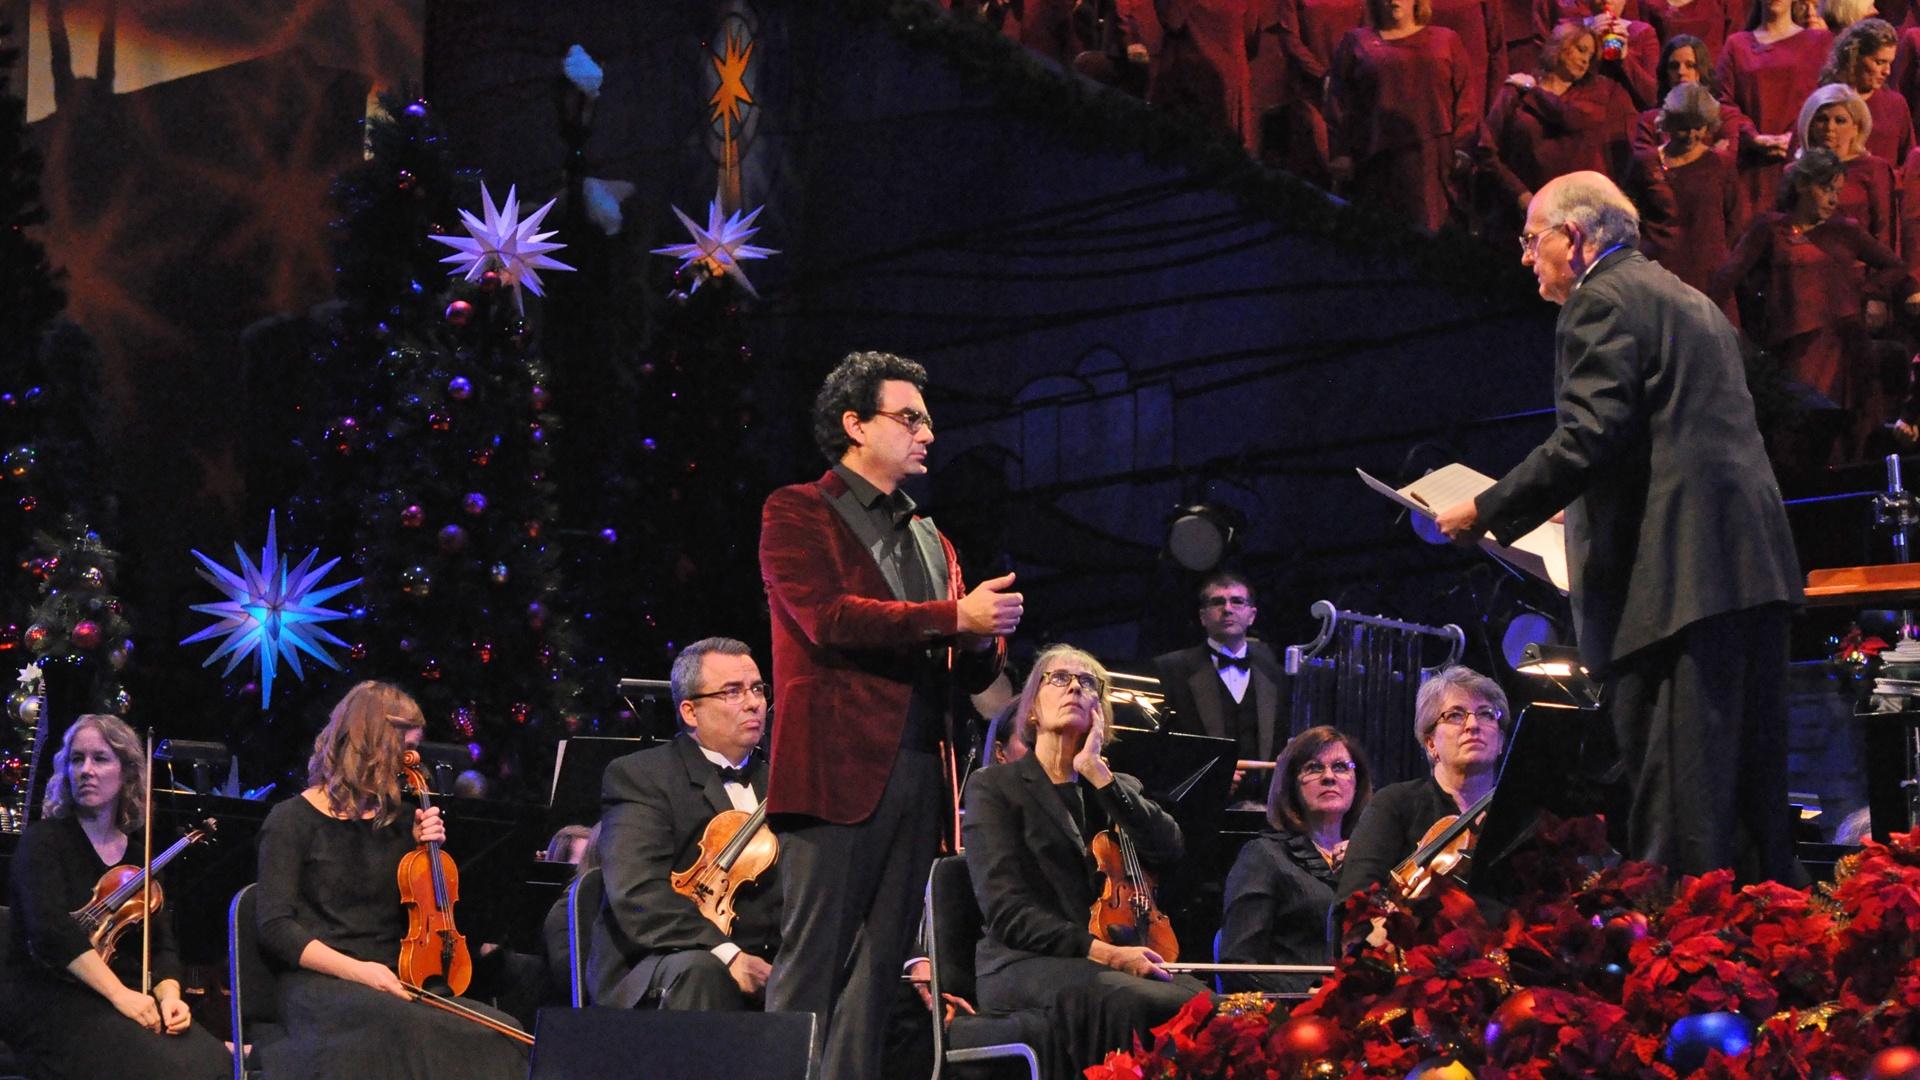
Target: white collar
(721, 760)
(1224, 651)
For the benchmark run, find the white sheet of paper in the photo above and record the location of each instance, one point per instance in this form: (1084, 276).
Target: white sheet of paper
(1542, 552)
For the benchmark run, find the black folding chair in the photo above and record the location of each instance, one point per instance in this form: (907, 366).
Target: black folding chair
(584, 895)
(253, 1006)
(954, 928)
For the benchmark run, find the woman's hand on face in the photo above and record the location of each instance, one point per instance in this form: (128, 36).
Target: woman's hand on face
(428, 828)
(1089, 762)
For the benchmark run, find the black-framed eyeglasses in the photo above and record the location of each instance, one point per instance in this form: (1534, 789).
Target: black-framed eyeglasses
(912, 419)
(1061, 678)
(1457, 717)
(1226, 602)
(732, 693)
(1314, 770)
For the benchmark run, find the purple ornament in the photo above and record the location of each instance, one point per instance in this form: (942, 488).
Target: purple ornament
(474, 504)
(417, 109)
(609, 536)
(459, 388)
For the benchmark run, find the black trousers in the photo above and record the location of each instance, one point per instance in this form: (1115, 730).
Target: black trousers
(1092, 1009)
(1701, 719)
(850, 904)
(692, 979)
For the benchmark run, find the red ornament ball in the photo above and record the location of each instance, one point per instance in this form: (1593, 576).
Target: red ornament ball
(459, 313)
(36, 637)
(413, 516)
(1305, 1040)
(9, 636)
(1895, 1063)
(490, 281)
(85, 634)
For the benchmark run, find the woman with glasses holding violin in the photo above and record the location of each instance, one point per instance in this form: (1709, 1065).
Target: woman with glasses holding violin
(1282, 882)
(331, 919)
(1460, 720)
(73, 1011)
(1027, 832)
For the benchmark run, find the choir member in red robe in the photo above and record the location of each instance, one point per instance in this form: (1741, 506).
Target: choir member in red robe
(1767, 70)
(1482, 30)
(1709, 20)
(1397, 112)
(1684, 59)
(1862, 58)
(1908, 208)
(1197, 52)
(1309, 30)
(1811, 283)
(1566, 118)
(1837, 15)
(1637, 68)
(1272, 89)
(1835, 119)
(1688, 200)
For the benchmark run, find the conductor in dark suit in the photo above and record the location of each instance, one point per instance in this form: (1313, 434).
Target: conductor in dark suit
(650, 945)
(1230, 686)
(1682, 566)
(873, 633)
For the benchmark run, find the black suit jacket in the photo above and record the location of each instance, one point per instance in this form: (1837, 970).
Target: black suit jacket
(1201, 704)
(1032, 873)
(655, 803)
(1673, 514)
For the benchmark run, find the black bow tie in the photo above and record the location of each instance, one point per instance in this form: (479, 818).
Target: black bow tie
(1221, 661)
(731, 775)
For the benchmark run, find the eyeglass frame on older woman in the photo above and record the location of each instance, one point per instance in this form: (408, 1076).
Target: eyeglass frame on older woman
(1344, 769)
(1457, 716)
(1060, 679)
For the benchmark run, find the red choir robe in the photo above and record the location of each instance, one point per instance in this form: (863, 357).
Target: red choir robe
(1271, 90)
(1523, 37)
(1533, 136)
(1639, 71)
(1483, 34)
(1712, 21)
(1734, 128)
(1689, 214)
(1868, 197)
(1803, 297)
(1199, 58)
(1908, 210)
(1905, 78)
(1892, 133)
(1309, 31)
(1398, 109)
(1769, 83)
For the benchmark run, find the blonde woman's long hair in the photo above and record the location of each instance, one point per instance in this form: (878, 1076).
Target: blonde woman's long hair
(129, 815)
(356, 757)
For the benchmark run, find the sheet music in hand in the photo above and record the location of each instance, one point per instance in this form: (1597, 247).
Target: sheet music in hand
(1542, 552)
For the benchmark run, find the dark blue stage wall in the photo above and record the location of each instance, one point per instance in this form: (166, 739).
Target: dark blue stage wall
(1107, 337)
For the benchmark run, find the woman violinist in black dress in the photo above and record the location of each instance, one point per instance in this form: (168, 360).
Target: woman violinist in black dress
(331, 920)
(73, 1013)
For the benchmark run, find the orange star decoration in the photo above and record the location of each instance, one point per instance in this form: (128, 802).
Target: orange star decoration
(732, 92)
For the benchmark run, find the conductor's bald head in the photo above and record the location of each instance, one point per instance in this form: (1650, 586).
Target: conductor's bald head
(1571, 221)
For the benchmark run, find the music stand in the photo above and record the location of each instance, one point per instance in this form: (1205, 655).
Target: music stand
(1188, 775)
(581, 762)
(1542, 772)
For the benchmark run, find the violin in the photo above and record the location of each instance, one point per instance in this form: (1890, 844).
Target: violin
(736, 847)
(121, 899)
(1125, 913)
(429, 885)
(1444, 854)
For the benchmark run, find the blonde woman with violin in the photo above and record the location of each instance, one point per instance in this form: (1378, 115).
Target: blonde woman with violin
(73, 1012)
(1027, 831)
(1461, 721)
(331, 920)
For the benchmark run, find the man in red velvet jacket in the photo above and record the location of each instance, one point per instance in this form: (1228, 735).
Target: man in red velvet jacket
(873, 631)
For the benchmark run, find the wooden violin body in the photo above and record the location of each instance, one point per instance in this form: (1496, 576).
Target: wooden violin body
(736, 847)
(1125, 914)
(434, 948)
(119, 903)
(1444, 855)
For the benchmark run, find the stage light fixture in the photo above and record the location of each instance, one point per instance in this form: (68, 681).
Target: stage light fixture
(1201, 535)
(1559, 666)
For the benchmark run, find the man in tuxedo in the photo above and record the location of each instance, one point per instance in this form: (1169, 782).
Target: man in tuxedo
(1230, 686)
(873, 632)
(650, 945)
(1682, 565)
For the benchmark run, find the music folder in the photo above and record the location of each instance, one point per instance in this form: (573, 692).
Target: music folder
(1541, 553)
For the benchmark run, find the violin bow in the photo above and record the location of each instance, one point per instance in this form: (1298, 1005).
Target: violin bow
(146, 879)
(447, 1004)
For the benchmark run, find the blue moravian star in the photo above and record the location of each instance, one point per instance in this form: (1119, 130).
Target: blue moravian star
(719, 249)
(503, 242)
(271, 612)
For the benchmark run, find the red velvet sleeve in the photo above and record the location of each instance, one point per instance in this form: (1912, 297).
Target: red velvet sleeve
(803, 579)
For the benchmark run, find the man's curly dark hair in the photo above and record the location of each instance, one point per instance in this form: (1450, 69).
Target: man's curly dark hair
(854, 385)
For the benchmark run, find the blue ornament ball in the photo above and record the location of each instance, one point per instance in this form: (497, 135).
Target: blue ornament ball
(453, 538)
(417, 109)
(1694, 1037)
(459, 388)
(475, 503)
(609, 535)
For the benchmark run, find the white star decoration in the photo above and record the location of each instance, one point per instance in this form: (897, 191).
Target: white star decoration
(503, 242)
(719, 248)
(270, 612)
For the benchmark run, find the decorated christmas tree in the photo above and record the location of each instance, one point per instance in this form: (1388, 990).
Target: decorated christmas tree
(424, 454)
